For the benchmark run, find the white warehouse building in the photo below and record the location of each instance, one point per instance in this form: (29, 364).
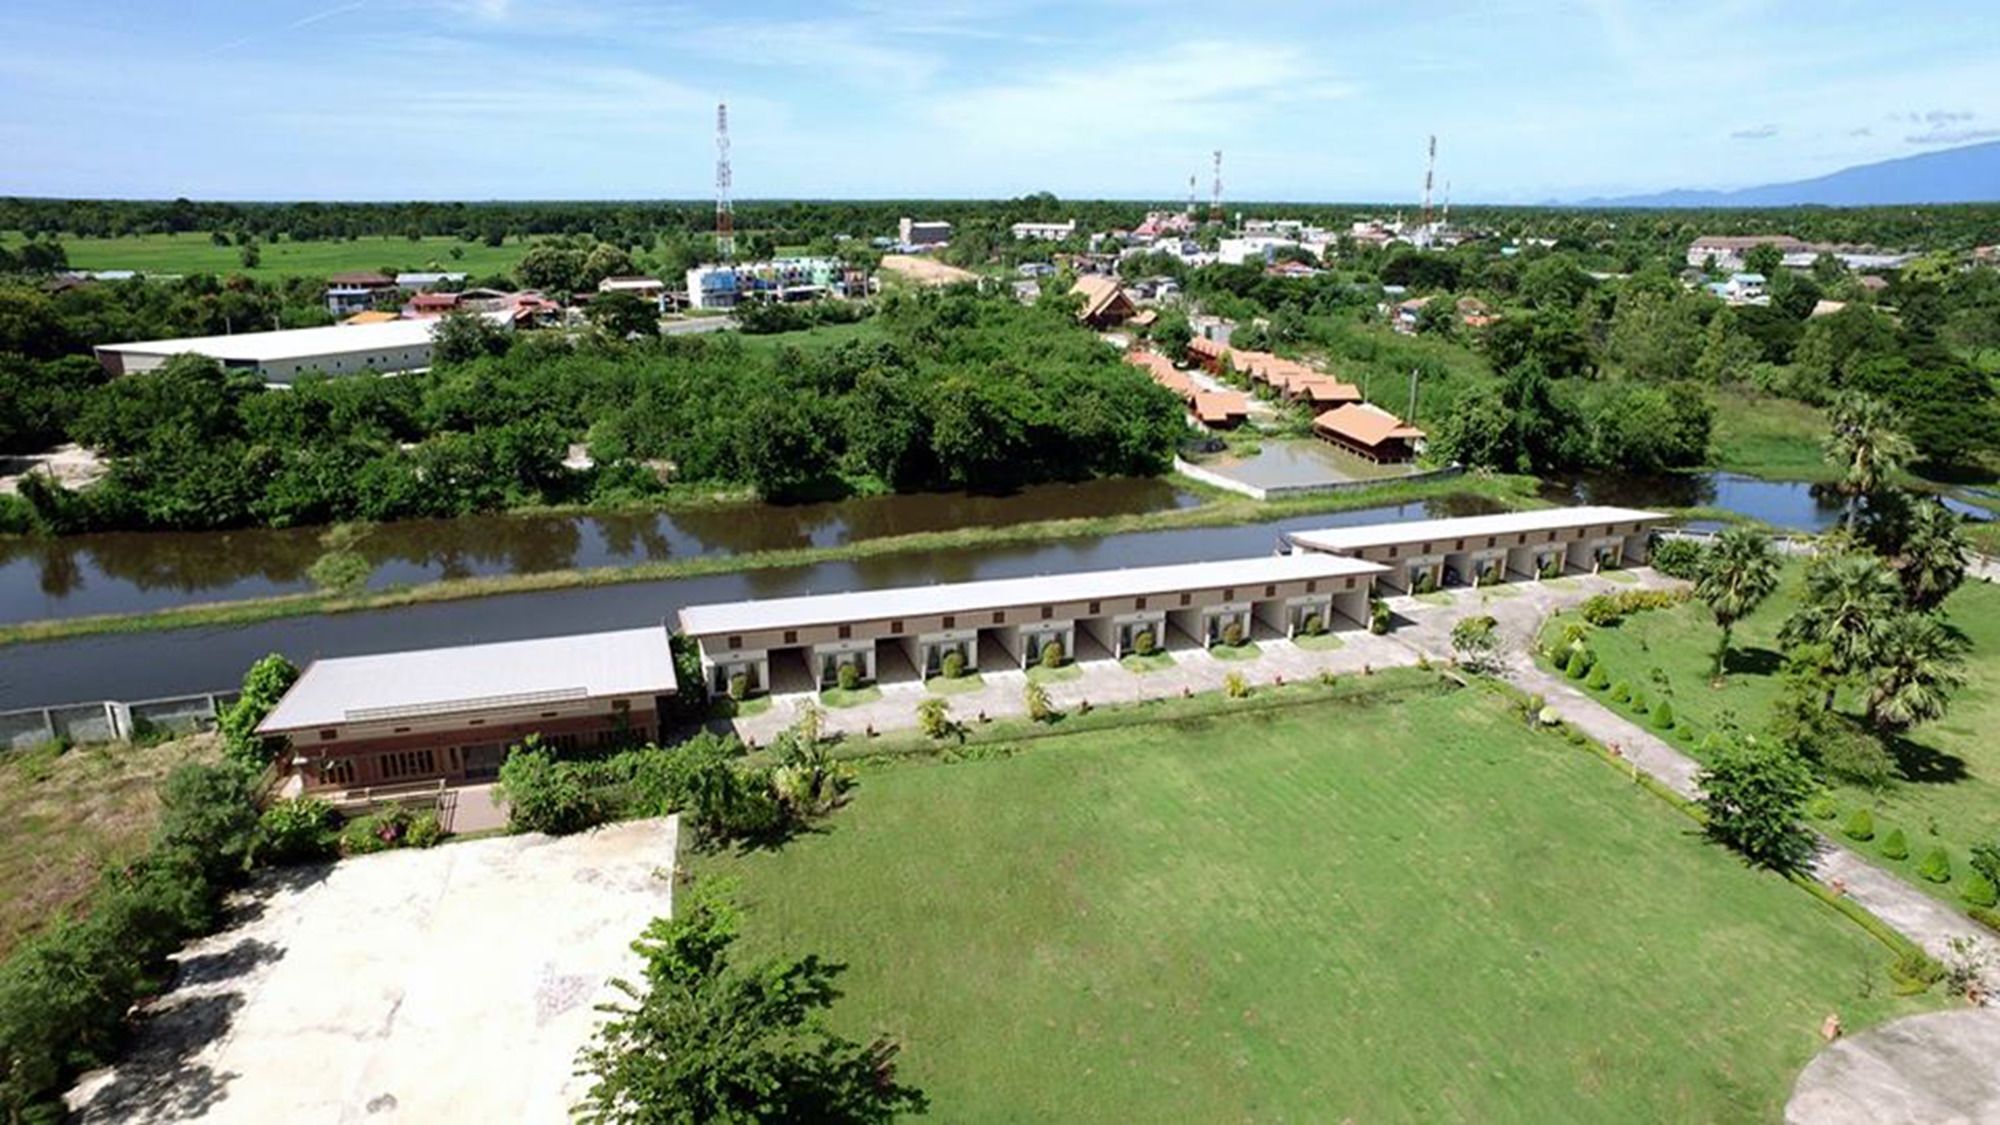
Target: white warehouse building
(280, 357)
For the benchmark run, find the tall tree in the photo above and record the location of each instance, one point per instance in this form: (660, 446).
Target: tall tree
(1866, 446)
(1753, 796)
(1934, 554)
(1915, 667)
(1738, 573)
(1849, 599)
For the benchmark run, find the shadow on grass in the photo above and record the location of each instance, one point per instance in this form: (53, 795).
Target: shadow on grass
(1923, 765)
(1753, 661)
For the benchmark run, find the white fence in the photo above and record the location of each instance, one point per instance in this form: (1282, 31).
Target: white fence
(111, 720)
(1259, 492)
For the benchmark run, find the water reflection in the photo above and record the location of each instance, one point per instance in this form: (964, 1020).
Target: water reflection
(129, 572)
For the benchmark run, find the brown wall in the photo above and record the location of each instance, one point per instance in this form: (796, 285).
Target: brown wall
(370, 757)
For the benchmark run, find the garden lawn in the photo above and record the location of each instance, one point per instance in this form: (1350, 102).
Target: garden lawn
(1951, 768)
(64, 817)
(1319, 913)
(193, 252)
(1768, 437)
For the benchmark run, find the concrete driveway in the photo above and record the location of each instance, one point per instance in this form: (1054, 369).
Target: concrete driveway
(1923, 1070)
(454, 984)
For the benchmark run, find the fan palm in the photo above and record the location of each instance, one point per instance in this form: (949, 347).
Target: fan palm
(1916, 666)
(1934, 555)
(1866, 446)
(1849, 598)
(1739, 572)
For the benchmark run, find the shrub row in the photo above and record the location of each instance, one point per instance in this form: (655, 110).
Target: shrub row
(1680, 558)
(1609, 609)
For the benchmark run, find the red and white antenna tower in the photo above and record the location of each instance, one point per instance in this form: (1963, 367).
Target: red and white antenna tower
(1215, 192)
(1430, 166)
(725, 215)
(1190, 210)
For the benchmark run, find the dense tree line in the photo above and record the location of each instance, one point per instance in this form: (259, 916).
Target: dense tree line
(963, 391)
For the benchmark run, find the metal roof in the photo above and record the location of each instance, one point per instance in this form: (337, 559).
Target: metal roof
(292, 343)
(1001, 593)
(474, 678)
(1465, 527)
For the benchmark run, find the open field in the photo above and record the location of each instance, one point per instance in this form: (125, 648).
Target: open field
(194, 253)
(1950, 791)
(1768, 437)
(811, 339)
(1324, 912)
(925, 271)
(64, 817)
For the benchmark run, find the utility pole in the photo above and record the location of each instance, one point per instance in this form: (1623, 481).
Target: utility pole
(1411, 417)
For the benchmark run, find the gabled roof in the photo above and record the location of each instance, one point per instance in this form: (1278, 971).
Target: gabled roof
(1213, 407)
(361, 279)
(474, 678)
(1101, 296)
(1366, 423)
(1466, 527)
(1003, 593)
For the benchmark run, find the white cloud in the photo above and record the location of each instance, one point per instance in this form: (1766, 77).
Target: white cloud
(1755, 133)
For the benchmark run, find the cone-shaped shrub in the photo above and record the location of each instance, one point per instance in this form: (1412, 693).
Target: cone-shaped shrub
(1599, 679)
(1936, 867)
(1822, 807)
(1980, 891)
(1639, 703)
(1577, 666)
(1894, 846)
(1621, 692)
(1860, 826)
(1663, 715)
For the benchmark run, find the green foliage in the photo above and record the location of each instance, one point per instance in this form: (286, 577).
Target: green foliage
(1476, 641)
(953, 664)
(699, 1038)
(1638, 702)
(1621, 692)
(1860, 825)
(1578, 664)
(1753, 796)
(1232, 634)
(340, 572)
(1985, 916)
(1609, 609)
(1679, 558)
(1915, 971)
(848, 677)
(1980, 891)
(1142, 642)
(739, 686)
(1039, 708)
(263, 685)
(1935, 867)
(209, 812)
(1312, 625)
(1378, 617)
(384, 829)
(547, 794)
(1052, 654)
(1235, 686)
(1663, 715)
(934, 719)
(296, 830)
(425, 831)
(1599, 679)
(1895, 845)
(1822, 807)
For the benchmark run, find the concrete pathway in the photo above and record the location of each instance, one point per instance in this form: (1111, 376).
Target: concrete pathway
(1924, 1070)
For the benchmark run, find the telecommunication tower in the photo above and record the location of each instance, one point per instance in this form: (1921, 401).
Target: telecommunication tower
(1430, 167)
(1190, 210)
(1215, 192)
(725, 215)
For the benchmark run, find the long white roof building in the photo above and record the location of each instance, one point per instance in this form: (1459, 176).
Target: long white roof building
(1345, 539)
(1005, 593)
(281, 356)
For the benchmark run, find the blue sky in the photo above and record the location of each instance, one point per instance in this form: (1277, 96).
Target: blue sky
(482, 99)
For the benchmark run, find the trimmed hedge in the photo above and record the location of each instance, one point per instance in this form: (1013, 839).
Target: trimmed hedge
(1663, 715)
(1936, 867)
(1599, 679)
(1980, 891)
(1894, 845)
(1860, 825)
(1578, 664)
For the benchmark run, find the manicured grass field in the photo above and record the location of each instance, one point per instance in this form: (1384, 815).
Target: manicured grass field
(1950, 792)
(1321, 913)
(65, 816)
(194, 253)
(821, 337)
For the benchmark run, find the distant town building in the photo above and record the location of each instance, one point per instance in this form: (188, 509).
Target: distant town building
(1104, 301)
(279, 358)
(780, 279)
(428, 280)
(1042, 232)
(915, 233)
(1370, 432)
(354, 291)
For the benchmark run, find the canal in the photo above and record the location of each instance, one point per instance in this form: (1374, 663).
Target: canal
(142, 665)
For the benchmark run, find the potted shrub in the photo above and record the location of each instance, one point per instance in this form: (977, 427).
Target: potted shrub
(953, 664)
(1232, 634)
(1311, 625)
(1378, 618)
(1052, 654)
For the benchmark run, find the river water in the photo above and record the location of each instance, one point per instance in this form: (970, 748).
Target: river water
(142, 665)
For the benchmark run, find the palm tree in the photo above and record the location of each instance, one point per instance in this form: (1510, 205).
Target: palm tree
(1866, 445)
(1916, 666)
(1849, 598)
(1934, 555)
(1739, 572)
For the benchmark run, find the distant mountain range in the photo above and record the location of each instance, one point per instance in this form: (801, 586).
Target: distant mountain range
(1970, 174)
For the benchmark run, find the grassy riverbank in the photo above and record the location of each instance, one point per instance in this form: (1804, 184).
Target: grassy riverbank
(1218, 509)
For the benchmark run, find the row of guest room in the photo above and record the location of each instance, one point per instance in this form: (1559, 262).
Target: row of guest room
(450, 715)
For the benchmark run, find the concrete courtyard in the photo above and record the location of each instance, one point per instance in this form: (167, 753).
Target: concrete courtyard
(454, 984)
(1421, 628)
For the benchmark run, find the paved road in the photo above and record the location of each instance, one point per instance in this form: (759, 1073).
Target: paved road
(1941, 1067)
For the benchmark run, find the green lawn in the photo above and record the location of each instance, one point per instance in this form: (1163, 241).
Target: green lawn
(850, 697)
(1319, 642)
(194, 253)
(1317, 913)
(1950, 793)
(1061, 673)
(1153, 661)
(1248, 650)
(947, 685)
(810, 339)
